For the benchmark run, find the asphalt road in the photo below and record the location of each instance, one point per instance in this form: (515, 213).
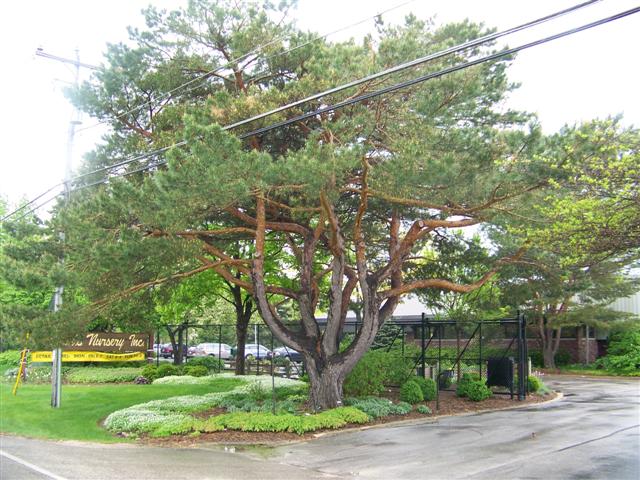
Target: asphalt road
(592, 433)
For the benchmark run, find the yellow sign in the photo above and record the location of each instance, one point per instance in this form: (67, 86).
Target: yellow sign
(72, 356)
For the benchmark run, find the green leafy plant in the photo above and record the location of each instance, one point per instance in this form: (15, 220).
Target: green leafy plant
(267, 422)
(167, 370)
(478, 391)
(367, 377)
(428, 387)
(150, 372)
(101, 375)
(463, 383)
(623, 354)
(423, 409)
(212, 364)
(195, 370)
(533, 384)
(377, 407)
(411, 392)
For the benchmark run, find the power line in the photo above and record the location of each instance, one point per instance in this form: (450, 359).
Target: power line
(403, 66)
(402, 85)
(231, 62)
(440, 73)
(31, 202)
(369, 95)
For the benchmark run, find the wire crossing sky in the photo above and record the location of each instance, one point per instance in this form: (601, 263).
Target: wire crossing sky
(588, 75)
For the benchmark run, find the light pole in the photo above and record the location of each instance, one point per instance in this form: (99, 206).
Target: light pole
(56, 367)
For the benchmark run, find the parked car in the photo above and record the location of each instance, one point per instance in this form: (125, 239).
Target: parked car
(196, 351)
(166, 351)
(256, 351)
(287, 352)
(221, 350)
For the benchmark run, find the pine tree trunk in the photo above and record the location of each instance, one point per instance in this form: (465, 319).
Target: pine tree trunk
(326, 384)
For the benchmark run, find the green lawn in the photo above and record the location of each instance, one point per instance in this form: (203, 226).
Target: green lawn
(592, 370)
(83, 407)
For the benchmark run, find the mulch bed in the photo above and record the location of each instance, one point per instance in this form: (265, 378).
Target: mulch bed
(450, 404)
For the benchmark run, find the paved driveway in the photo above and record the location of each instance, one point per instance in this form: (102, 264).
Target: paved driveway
(592, 433)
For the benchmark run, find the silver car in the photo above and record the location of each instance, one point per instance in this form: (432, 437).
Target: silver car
(221, 350)
(256, 351)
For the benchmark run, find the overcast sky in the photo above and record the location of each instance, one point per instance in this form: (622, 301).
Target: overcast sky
(592, 74)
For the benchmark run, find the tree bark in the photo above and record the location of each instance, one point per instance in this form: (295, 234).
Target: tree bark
(326, 383)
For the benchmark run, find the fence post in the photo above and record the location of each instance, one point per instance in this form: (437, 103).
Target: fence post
(422, 345)
(258, 350)
(440, 330)
(220, 364)
(520, 360)
(157, 348)
(480, 353)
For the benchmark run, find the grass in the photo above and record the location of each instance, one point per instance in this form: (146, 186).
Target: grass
(579, 369)
(83, 407)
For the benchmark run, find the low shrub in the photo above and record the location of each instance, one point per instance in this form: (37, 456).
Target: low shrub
(367, 376)
(428, 387)
(101, 375)
(267, 422)
(377, 407)
(562, 357)
(212, 364)
(196, 370)
(423, 409)
(533, 384)
(141, 381)
(623, 353)
(150, 372)
(168, 370)
(463, 383)
(153, 372)
(411, 392)
(478, 391)
(9, 359)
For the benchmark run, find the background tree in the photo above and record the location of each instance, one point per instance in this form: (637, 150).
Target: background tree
(28, 273)
(461, 260)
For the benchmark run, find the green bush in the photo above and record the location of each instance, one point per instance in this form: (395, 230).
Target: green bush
(378, 368)
(423, 409)
(377, 407)
(9, 359)
(562, 357)
(196, 370)
(623, 353)
(367, 377)
(428, 387)
(101, 375)
(533, 384)
(167, 370)
(212, 364)
(463, 383)
(411, 392)
(478, 391)
(150, 372)
(267, 422)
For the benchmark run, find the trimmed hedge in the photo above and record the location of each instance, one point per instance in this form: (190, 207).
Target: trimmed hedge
(478, 391)
(411, 392)
(428, 387)
(101, 375)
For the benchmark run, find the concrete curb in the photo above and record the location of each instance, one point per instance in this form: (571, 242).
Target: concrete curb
(419, 421)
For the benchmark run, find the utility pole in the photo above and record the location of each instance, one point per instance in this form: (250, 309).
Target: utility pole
(56, 367)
